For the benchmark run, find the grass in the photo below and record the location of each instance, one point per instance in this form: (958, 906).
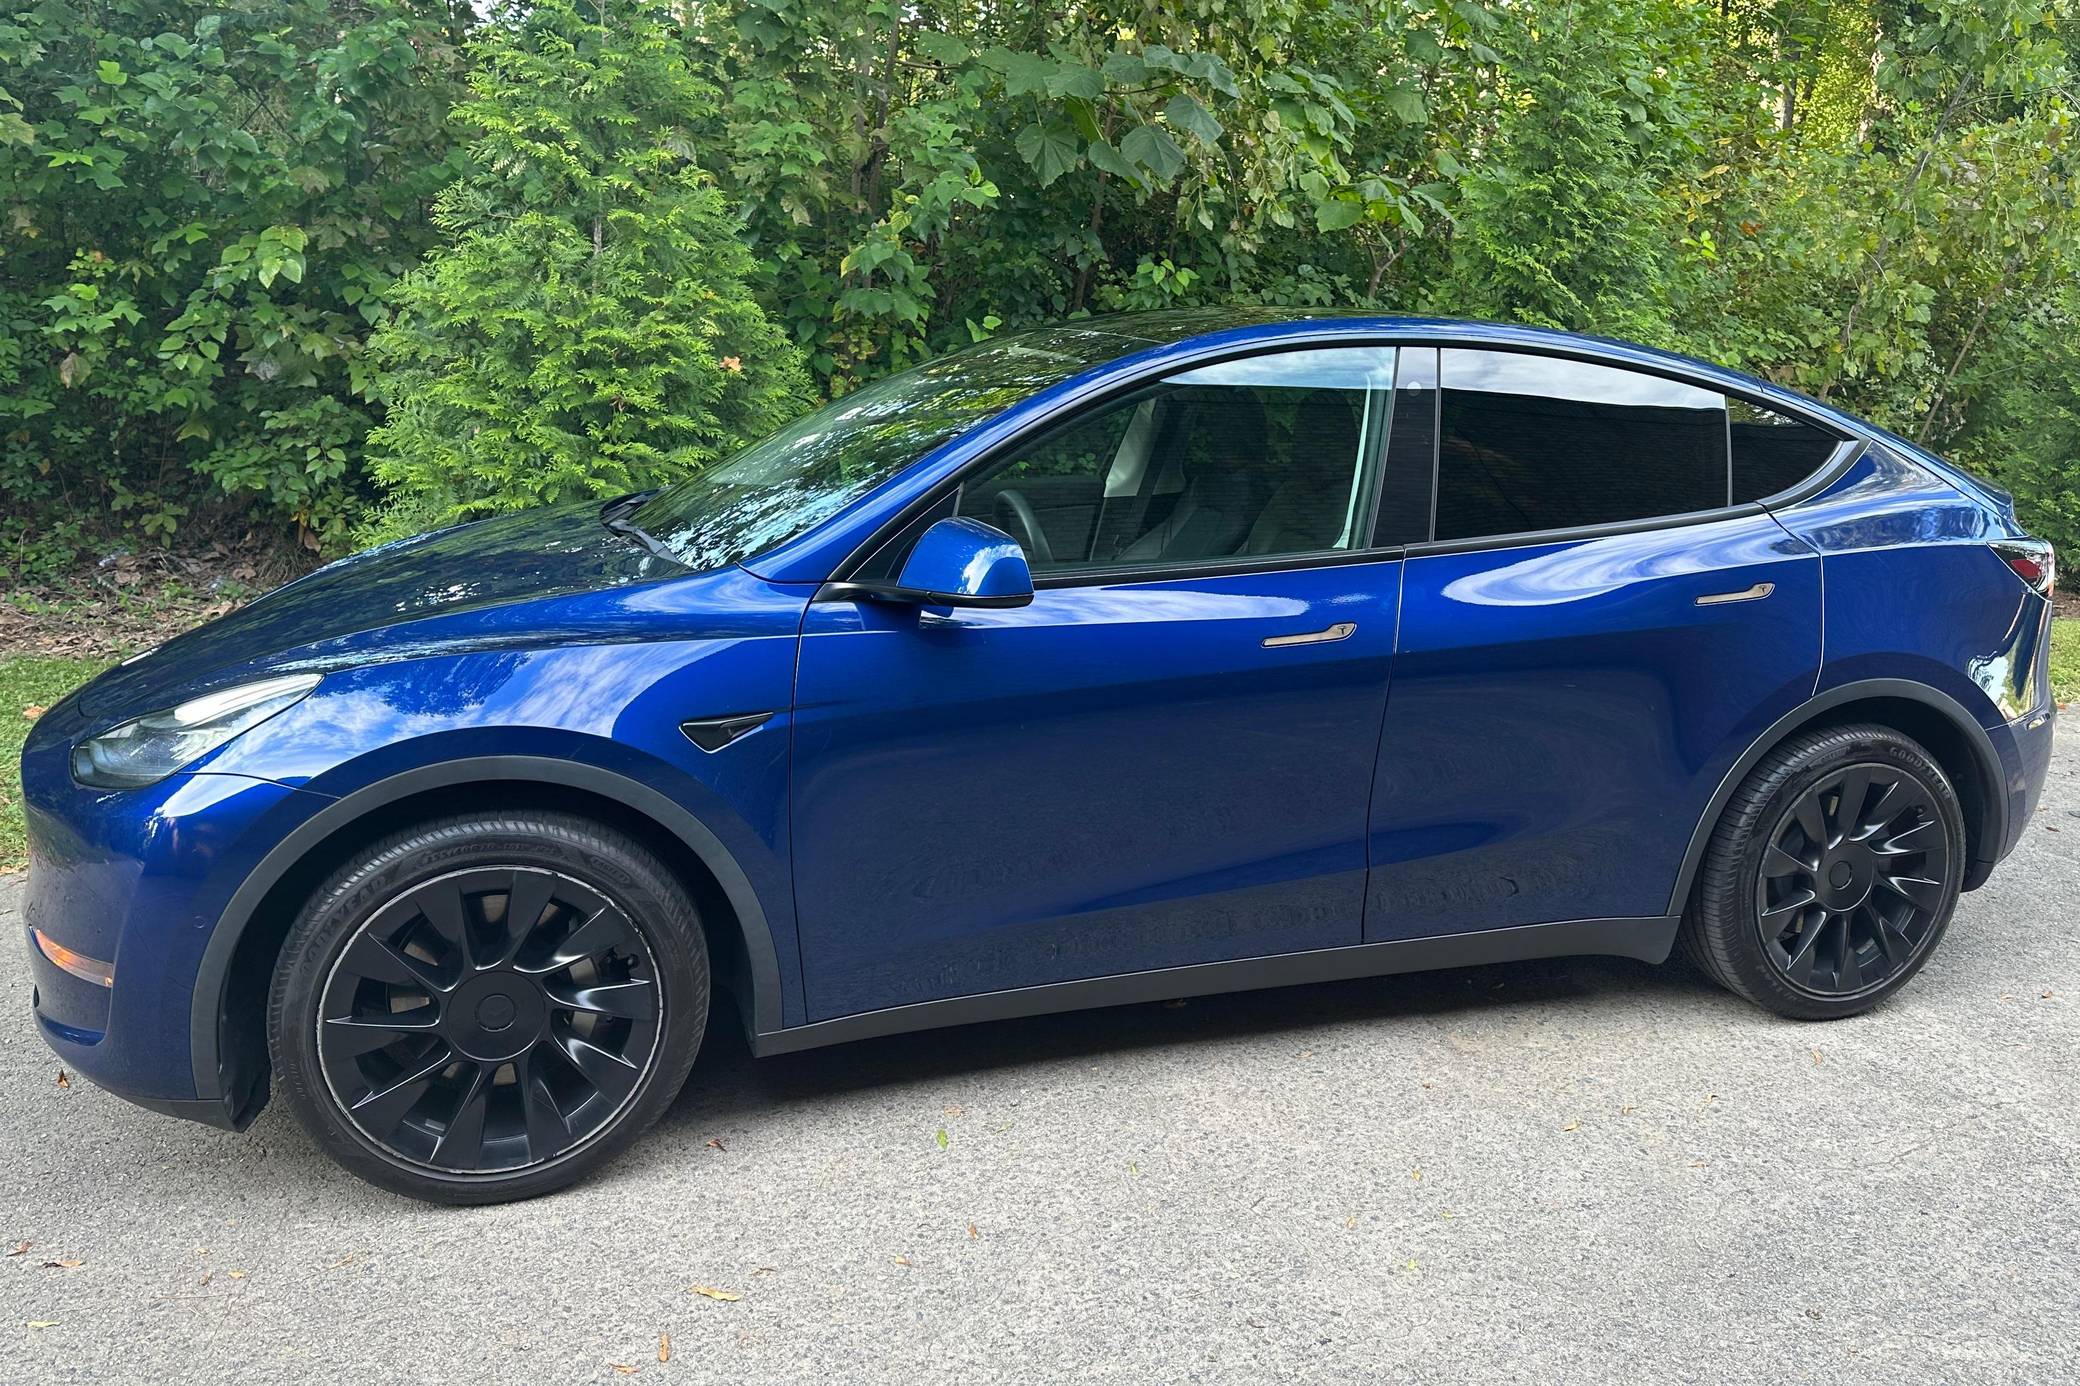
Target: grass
(2065, 659)
(28, 682)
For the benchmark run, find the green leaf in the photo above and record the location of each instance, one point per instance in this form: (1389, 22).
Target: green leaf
(1154, 150)
(112, 72)
(1407, 104)
(1338, 213)
(1102, 155)
(1074, 80)
(1049, 146)
(941, 48)
(1186, 113)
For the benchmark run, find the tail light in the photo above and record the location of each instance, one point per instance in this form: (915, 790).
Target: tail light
(2033, 561)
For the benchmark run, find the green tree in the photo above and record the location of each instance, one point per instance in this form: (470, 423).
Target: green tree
(586, 329)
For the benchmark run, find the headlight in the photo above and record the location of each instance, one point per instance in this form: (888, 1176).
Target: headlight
(149, 748)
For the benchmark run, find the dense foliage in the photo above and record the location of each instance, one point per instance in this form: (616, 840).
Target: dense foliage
(211, 205)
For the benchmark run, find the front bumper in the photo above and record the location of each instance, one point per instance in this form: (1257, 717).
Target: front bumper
(138, 878)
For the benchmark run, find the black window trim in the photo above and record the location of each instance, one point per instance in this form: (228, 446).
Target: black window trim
(1847, 450)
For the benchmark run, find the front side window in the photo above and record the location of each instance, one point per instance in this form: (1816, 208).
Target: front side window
(1530, 442)
(1257, 458)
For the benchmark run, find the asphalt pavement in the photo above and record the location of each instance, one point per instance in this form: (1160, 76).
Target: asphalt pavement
(1546, 1172)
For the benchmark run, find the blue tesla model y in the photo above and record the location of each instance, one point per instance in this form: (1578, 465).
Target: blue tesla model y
(1120, 660)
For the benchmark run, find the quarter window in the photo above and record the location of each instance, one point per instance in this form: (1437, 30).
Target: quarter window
(1530, 442)
(1257, 458)
(1772, 453)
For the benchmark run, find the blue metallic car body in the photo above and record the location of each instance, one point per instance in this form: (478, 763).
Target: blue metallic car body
(1519, 735)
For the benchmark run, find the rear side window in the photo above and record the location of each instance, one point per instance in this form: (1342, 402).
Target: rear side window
(1772, 453)
(1531, 442)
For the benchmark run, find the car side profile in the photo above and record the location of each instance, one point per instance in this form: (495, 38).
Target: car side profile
(1121, 660)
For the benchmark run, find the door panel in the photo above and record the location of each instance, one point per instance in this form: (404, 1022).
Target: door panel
(1561, 712)
(1115, 778)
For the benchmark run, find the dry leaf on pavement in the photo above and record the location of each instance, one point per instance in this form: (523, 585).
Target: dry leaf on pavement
(64, 1080)
(664, 1347)
(20, 1247)
(63, 1265)
(714, 1292)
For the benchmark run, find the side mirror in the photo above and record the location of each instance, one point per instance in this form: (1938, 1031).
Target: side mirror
(958, 562)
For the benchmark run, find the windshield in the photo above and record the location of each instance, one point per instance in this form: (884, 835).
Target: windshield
(817, 465)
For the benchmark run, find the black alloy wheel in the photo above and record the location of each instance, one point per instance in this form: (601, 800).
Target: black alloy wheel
(1852, 881)
(486, 1008)
(1831, 874)
(489, 1019)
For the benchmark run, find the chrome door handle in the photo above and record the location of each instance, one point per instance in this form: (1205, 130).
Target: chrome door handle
(1750, 594)
(1342, 630)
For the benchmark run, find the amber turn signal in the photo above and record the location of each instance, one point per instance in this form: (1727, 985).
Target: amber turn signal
(101, 974)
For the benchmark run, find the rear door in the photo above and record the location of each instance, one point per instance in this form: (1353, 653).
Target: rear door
(1166, 758)
(1592, 635)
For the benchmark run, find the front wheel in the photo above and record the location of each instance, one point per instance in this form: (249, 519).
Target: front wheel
(1831, 875)
(487, 1008)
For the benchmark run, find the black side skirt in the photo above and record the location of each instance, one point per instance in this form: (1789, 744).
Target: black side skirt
(1647, 939)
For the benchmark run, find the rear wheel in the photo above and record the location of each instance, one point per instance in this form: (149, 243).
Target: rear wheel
(487, 1008)
(1831, 875)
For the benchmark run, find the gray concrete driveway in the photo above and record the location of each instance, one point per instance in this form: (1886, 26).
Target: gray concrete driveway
(1539, 1173)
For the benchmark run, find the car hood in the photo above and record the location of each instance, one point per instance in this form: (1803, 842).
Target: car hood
(328, 617)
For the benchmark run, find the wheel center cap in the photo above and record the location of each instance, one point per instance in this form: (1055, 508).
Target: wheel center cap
(496, 1016)
(1842, 874)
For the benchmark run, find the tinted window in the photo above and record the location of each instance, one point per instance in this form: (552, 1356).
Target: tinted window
(1772, 453)
(1534, 442)
(1255, 458)
(817, 465)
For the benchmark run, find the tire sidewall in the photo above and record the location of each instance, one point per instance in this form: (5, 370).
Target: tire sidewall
(614, 865)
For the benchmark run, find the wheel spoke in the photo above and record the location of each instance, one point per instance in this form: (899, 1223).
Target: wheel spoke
(525, 903)
(547, 1130)
(613, 1075)
(635, 999)
(1893, 943)
(1848, 972)
(372, 957)
(1810, 819)
(384, 1107)
(1891, 802)
(1782, 916)
(1777, 862)
(447, 912)
(1918, 838)
(461, 1145)
(1919, 891)
(1848, 809)
(604, 932)
(349, 1037)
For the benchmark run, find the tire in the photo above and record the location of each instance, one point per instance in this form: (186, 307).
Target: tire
(437, 1052)
(1882, 876)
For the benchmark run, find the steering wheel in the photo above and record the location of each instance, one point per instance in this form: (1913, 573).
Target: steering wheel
(1013, 512)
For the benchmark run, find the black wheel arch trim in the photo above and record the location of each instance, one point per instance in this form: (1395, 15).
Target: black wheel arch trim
(1986, 850)
(238, 1097)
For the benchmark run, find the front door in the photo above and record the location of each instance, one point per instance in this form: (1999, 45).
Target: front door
(1166, 758)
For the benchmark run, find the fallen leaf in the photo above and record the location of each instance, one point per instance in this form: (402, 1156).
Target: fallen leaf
(33, 711)
(20, 1247)
(623, 1369)
(714, 1292)
(236, 1275)
(953, 1109)
(942, 1138)
(1626, 1110)
(63, 1265)
(715, 1143)
(765, 1270)
(972, 1233)
(1351, 1221)
(664, 1347)
(1816, 1058)
(64, 1080)
(1572, 1126)
(1697, 1164)
(900, 1260)
(43, 1323)
(2047, 993)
